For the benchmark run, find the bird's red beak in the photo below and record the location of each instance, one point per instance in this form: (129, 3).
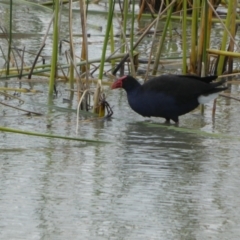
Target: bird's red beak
(117, 84)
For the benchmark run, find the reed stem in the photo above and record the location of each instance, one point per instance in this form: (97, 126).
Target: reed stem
(54, 49)
(109, 23)
(162, 39)
(132, 35)
(194, 38)
(10, 38)
(225, 37)
(184, 38)
(72, 52)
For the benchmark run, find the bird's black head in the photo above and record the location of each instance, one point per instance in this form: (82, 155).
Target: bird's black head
(126, 82)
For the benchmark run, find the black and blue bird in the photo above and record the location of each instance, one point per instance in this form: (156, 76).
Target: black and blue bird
(169, 96)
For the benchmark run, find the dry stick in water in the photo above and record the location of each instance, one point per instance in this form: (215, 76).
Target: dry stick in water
(22, 58)
(230, 36)
(23, 110)
(140, 38)
(224, 26)
(4, 30)
(12, 97)
(154, 36)
(87, 90)
(15, 59)
(116, 50)
(35, 61)
(72, 50)
(84, 36)
(76, 70)
(126, 44)
(79, 103)
(227, 96)
(41, 48)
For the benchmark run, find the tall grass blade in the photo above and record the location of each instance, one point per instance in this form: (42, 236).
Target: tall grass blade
(105, 43)
(202, 34)
(233, 30)
(84, 54)
(194, 38)
(101, 69)
(184, 38)
(10, 38)
(54, 49)
(72, 51)
(226, 32)
(162, 39)
(132, 36)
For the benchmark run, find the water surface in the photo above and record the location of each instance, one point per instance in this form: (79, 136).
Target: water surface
(150, 182)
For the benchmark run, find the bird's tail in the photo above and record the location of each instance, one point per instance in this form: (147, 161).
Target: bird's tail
(218, 83)
(206, 79)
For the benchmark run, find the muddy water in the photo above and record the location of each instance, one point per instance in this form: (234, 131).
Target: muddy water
(151, 181)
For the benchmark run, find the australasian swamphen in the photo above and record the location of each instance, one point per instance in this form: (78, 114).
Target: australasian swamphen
(169, 96)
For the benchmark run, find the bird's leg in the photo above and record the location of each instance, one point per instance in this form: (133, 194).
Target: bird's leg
(167, 120)
(176, 120)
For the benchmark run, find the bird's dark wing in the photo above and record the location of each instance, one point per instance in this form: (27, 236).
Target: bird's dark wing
(206, 79)
(180, 88)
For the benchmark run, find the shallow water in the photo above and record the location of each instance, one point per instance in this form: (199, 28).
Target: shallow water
(153, 181)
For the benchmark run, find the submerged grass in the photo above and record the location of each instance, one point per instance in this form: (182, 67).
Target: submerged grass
(192, 131)
(12, 130)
